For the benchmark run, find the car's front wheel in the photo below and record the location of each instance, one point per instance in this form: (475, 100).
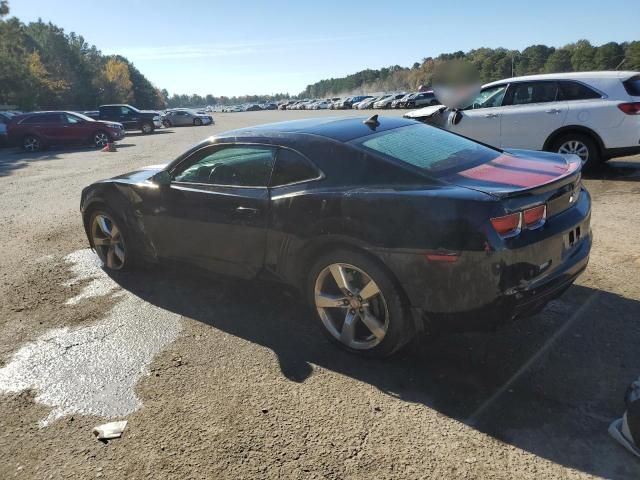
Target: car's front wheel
(147, 128)
(108, 240)
(101, 139)
(31, 143)
(197, 122)
(358, 304)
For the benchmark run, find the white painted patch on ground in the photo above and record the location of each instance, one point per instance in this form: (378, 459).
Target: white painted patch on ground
(92, 370)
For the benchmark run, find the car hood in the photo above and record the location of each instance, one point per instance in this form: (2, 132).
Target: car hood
(110, 124)
(515, 171)
(138, 176)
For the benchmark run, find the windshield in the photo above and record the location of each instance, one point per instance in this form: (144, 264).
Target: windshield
(431, 149)
(83, 117)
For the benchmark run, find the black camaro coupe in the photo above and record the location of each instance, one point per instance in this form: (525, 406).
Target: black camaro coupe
(387, 226)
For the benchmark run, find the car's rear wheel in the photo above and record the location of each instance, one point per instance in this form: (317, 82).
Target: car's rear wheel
(358, 304)
(197, 122)
(31, 143)
(101, 139)
(147, 128)
(166, 123)
(582, 145)
(108, 240)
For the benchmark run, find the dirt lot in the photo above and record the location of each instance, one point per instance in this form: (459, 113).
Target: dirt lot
(224, 379)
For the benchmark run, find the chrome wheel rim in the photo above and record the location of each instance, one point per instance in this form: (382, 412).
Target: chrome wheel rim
(146, 128)
(108, 241)
(577, 148)
(351, 306)
(31, 144)
(101, 139)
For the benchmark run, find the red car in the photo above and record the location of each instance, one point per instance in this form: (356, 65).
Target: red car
(36, 130)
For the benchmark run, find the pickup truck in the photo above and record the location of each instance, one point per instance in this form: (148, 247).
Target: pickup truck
(130, 117)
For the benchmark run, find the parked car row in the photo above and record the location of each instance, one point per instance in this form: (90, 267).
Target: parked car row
(595, 115)
(36, 130)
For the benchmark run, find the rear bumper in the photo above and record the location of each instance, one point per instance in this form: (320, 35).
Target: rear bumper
(485, 288)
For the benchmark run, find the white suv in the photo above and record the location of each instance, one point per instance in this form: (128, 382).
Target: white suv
(595, 115)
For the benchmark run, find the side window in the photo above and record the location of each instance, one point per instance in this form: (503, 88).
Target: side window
(489, 97)
(125, 111)
(72, 119)
(292, 167)
(576, 91)
(531, 92)
(243, 166)
(49, 118)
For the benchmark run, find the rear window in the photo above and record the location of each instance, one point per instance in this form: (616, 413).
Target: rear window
(576, 91)
(632, 86)
(431, 149)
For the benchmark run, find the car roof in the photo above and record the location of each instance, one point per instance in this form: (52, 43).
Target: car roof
(337, 128)
(566, 76)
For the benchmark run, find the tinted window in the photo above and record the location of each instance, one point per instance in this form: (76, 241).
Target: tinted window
(50, 118)
(126, 111)
(632, 86)
(489, 97)
(576, 91)
(532, 92)
(292, 167)
(234, 166)
(428, 148)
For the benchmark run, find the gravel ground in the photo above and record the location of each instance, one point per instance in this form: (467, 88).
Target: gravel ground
(225, 379)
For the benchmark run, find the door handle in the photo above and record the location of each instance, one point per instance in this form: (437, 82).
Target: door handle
(553, 111)
(247, 211)
(491, 115)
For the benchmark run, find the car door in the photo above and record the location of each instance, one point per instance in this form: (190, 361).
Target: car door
(214, 213)
(531, 112)
(76, 129)
(127, 117)
(51, 128)
(183, 118)
(481, 120)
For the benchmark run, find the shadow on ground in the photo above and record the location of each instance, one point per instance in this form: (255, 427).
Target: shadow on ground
(12, 159)
(621, 170)
(558, 408)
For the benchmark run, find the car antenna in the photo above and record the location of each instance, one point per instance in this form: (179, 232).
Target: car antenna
(372, 122)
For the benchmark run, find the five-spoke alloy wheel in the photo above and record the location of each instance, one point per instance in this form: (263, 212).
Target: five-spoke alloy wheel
(358, 304)
(31, 143)
(351, 306)
(101, 139)
(108, 241)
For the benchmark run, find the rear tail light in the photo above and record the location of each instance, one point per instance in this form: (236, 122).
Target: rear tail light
(512, 224)
(631, 108)
(535, 217)
(508, 225)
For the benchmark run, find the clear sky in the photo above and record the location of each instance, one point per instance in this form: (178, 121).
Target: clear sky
(259, 47)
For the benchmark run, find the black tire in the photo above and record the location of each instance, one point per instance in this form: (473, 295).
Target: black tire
(560, 145)
(31, 143)
(125, 240)
(147, 128)
(166, 124)
(399, 328)
(197, 122)
(100, 139)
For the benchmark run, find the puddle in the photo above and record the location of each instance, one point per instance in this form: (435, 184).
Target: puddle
(92, 370)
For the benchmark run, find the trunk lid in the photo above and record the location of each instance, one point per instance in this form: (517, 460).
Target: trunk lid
(517, 172)
(523, 179)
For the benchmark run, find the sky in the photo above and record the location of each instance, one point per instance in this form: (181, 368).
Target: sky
(272, 46)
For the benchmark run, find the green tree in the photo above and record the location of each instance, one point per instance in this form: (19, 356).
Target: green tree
(632, 56)
(558, 61)
(608, 56)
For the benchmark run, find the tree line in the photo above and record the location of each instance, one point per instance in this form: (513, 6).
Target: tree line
(491, 63)
(43, 67)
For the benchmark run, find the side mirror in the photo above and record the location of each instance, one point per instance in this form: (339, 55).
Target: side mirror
(162, 179)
